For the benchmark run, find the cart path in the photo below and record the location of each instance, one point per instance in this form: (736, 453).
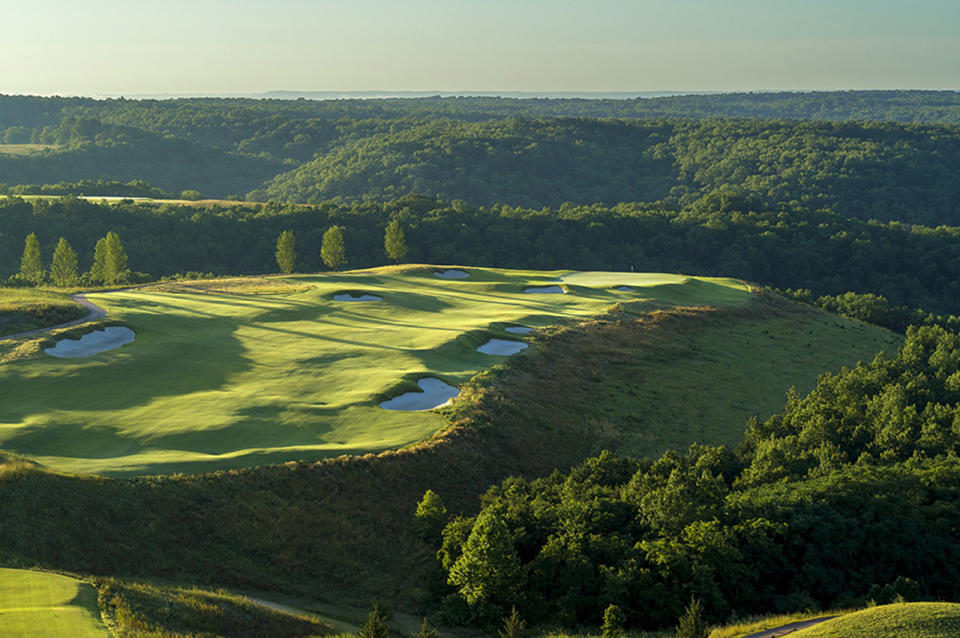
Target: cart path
(96, 312)
(784, 630)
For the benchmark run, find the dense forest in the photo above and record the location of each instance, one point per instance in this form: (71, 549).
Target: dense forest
(531, 153)
(849, 494)
(824, 253)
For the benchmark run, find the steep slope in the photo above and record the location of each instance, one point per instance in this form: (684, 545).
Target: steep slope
(866, 170)
(317, 529)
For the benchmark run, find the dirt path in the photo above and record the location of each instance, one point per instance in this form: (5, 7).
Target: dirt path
(338, 625)
(96, 312)
(784, 630)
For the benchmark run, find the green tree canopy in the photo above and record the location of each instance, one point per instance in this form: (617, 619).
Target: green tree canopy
(394, 241)
(286, 251)
(513, 626)
(31, 265)
(613, 621)
(332, 250)
(376, 624)
(430, 517)
(63, 270)
(109, 260)
(692, 623)
(488, 570)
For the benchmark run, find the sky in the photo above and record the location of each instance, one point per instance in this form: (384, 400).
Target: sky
(112, 47)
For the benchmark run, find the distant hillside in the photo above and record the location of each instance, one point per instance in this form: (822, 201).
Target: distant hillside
(869, 171)
(531, 152)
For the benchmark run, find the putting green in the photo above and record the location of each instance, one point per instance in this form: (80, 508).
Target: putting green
(38, 604)
(217, 380)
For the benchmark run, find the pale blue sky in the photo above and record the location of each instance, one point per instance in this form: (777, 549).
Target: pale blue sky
(223, 46)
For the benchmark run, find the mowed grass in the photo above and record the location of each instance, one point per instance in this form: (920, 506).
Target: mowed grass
(905, 620)
(39, 604)
(219, 380)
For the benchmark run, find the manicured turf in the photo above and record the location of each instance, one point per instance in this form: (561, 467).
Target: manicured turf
(906, 620)
(218, 380)
(38, 604)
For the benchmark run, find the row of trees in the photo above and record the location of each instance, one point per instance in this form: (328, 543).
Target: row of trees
(784, 247)
(109, 263)
(332, 249)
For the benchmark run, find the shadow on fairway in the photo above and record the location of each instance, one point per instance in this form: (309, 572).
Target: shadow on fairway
(160, 363)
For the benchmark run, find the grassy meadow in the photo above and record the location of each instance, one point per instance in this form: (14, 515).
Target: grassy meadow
(226, 379)
(40, 604)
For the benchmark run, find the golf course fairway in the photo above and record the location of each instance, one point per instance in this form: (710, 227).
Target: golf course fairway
(40, 605)
(217, 380)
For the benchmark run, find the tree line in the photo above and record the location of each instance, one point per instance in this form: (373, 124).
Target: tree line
(109, 264)
(785, 247)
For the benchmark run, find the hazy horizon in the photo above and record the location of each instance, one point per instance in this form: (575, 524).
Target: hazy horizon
(215, 47)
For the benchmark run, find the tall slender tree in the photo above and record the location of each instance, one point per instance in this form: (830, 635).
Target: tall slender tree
(332, 250)
(31, 265)
(63, 270)
(116, 259)
(376, 625)
(692, 623)
(109, 260)
(99, 261)
(394, 241)
(286, 251)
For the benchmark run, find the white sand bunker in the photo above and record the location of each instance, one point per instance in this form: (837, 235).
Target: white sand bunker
(435, 393)
(545, 290)
(623, 288)
(502, 347)
(519, 330)
(346, 296)
(93, 342)
(452, 274)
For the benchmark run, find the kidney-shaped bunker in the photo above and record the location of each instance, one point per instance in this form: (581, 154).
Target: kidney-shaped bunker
(434, 394)
(502, 347)
(349, 296)
(545, 290)
(452, 274)
(93, 342)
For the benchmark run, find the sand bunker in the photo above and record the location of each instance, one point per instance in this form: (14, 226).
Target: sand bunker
(350, 297)
(545, 290)
(452, 274)
(502, 347)
(519, 330)
(435, 393)
(93, 342)
(623, 288)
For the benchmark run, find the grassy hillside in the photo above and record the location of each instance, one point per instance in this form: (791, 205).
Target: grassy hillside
(316, 530)
(139, 610)
(217, 379)
(39, 604)
(23, 309)
(906, 620)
